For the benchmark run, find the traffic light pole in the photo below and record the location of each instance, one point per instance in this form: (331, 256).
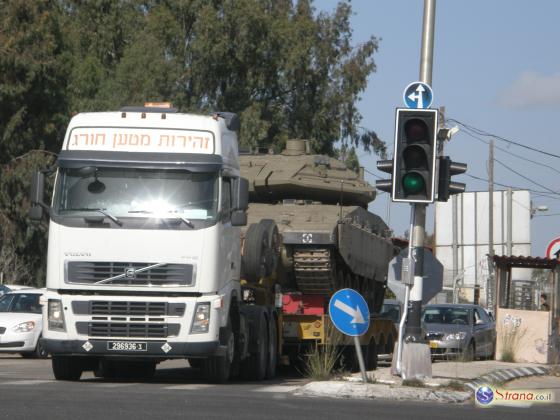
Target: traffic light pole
(414, 329)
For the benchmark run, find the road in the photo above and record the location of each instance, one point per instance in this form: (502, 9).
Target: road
(28, 391)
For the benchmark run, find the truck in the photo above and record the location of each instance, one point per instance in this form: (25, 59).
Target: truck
(151, 257)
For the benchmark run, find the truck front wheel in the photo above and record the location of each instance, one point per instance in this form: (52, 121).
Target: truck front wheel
(67, 368)
(217, 369)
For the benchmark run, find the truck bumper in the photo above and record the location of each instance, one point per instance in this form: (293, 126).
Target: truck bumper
(155, 349)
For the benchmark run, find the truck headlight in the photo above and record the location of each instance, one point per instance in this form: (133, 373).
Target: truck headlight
(201, 320)
(24, 327)
(455, 336)
(56, 315)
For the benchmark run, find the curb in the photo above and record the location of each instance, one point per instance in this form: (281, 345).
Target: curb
(505, 375)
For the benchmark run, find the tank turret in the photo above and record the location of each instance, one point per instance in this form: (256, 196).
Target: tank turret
(298, 175)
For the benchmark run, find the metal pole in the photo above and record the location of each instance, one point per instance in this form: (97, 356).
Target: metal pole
(414, 329)
(509, 224)
(491, 198)
(360, 358)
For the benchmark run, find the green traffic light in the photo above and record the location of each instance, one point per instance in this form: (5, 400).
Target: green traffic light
(413, 183)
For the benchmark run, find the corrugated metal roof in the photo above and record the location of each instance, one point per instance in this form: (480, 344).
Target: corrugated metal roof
(504, 261)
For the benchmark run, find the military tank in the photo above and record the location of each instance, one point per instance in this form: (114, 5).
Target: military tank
(309, 228)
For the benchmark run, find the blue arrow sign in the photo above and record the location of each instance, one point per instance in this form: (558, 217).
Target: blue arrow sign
(349, 312)
(418, 95)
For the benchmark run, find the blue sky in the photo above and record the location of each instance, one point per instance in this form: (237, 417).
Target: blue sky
(496, 67)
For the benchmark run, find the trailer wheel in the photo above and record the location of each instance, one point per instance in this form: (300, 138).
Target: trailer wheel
(371, 358)
(272, 349)
(67, 368)
(255, 366)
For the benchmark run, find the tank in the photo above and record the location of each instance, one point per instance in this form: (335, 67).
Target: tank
(309, 228)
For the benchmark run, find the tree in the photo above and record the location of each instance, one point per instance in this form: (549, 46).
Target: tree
(288, 71)
(33, 74)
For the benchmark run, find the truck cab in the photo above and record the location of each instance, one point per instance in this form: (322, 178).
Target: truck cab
(144, 240)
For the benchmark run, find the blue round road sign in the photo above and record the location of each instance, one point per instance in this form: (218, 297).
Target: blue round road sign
(418, 95)
(349, 312)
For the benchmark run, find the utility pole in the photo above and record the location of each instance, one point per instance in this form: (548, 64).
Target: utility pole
(414, 329)
(491, 199)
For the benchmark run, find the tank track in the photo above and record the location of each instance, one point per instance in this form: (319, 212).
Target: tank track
(320, 271)
(313, 270)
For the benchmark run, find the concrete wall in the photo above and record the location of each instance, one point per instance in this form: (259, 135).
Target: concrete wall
(533, 330)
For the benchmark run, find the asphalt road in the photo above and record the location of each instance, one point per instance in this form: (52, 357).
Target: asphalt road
(28, 391)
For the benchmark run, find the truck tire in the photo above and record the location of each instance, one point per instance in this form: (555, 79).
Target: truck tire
(67, 368)
(216, 369)
(254, 367)
(260, 250)
(371, 355)
(195, 362)
(272, 348)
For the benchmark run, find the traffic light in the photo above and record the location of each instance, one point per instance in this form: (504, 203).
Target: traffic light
(448, 168)
(414, 159)
(385, 184)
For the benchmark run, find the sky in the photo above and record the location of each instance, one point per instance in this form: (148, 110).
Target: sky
(496, 68)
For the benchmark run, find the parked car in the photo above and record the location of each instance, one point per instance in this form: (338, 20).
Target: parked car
(4, 289)
(459, 330)
(21, 323)
(392, 309)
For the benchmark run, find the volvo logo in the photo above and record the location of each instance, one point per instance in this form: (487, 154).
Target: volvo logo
(130, 273)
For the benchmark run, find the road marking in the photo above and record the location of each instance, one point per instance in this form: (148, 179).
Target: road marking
(277, 388)
(190, 387)
(27, 382)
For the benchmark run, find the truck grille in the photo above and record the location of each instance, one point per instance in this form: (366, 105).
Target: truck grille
(126, 329)
(125, 273)
(127, 308)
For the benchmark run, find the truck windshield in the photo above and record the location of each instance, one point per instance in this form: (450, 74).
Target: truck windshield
(134, 192)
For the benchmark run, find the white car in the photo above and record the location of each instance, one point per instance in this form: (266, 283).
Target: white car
(21, 323)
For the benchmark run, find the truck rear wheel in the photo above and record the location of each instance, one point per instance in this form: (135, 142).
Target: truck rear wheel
(272, 349)
(67, 368)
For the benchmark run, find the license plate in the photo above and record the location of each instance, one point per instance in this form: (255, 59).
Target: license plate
(127, 345)
(433, 345)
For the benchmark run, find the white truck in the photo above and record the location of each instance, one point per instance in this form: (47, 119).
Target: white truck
(144, 248)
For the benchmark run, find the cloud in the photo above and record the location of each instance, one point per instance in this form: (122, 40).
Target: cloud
(532, 90)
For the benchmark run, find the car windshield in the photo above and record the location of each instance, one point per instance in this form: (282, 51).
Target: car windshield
(391, 311)
(446, 315)
(20, 302)
(134, 192)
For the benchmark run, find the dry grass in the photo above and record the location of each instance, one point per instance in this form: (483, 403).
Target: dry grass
(511, 336)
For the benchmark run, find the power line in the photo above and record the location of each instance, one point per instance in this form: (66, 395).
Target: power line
(536, 192)
(487, 134)
(546, 215)
(468, 133)
(524, 177)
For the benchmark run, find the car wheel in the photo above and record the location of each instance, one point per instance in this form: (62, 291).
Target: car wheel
(469, 352)
(40, 350)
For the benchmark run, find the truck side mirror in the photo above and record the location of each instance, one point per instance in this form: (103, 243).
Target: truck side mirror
(36, 196)
(240, 194)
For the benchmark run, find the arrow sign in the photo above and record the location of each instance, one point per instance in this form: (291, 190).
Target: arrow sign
(418, 95)
(356, 314)
(349, 312)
